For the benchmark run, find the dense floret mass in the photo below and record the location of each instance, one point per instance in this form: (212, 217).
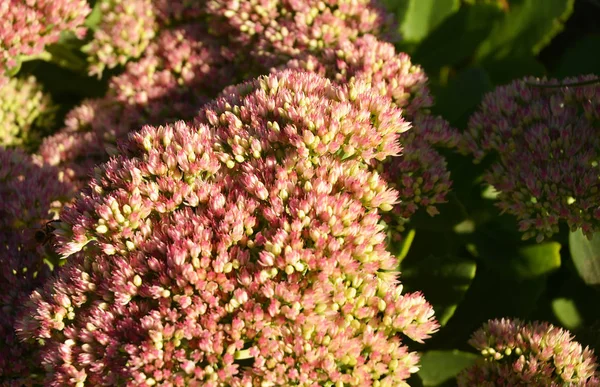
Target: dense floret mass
(27, 26)
(376, 62)
(529, 354)
(179, 72)
(24, 109)
(278, 30)
(125, 30)
(223, 253)
(543, 138)
(420, 174)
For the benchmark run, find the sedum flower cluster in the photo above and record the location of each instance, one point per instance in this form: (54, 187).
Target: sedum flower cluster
(27, 26)
(125, 30)
(278, 30)
(420, 174)
(529, 354)
(178, 73)
(545, 148)
(23, 108)
(244, 249)
(32, 193)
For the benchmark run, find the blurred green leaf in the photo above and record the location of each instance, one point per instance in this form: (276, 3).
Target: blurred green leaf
(586, 256)
(443, 281)
(404, 247)
(422, 16)
(457, 37)
(525, 29)
(511, 258)
(567, 313)
(440, 366)
(536, 260)
(94, 17)
(583, 57)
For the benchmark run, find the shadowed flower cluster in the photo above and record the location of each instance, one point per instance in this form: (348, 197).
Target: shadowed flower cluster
(225, 253)
(543, 136)
(178, 73)
(275, 31)
(27, 26)
(31, 195)
(23, 107)
(529, 354)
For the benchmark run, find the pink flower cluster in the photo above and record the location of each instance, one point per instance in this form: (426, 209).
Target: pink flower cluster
(529, 354)
(275, 31)
(24, 108)
(125, 30)
(31, 194)
(420, 174)
(26, 26)
(179, 72)
(543, 136)
(245, 249)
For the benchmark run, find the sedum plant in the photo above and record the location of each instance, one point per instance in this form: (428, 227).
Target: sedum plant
(245, 249)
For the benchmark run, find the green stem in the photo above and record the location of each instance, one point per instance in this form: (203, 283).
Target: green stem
(574, 84)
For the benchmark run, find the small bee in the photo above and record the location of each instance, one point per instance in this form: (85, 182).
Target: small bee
(44, 234)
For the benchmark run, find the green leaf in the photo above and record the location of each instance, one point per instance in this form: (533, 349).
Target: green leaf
(536, 260)
(440, 366)
(405, 245)
(586, 256)
(457, 37)
(519, 263)
(94, 17)
(528, 27)
(443, 280)
(422, 16)
(565, 310)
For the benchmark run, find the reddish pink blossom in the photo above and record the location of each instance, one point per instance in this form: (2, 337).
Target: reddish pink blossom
(27, 26)
(420, 174)
(178, 73)
(222, 253)
(543, 140)
(529, 354)
(274, 31)
(125, 30)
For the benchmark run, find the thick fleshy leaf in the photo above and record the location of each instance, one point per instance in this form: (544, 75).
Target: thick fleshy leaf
(566, 312)
(422, 16)
(443, 280)
(586, 256)
(438, 367)
(527, 27)
(457, 37)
